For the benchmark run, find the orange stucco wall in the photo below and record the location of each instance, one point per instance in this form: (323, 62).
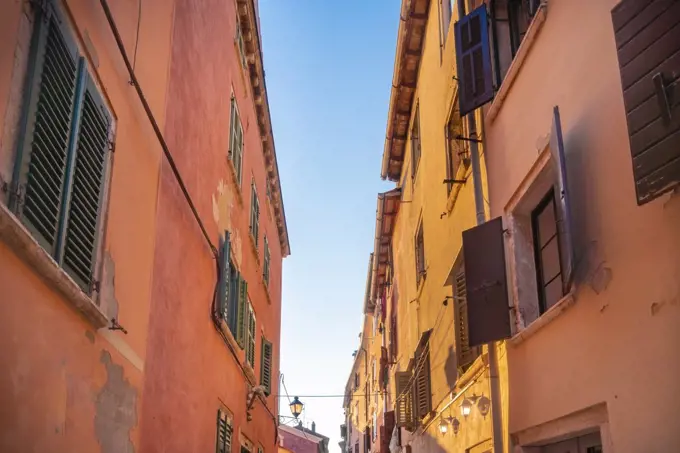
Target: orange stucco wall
(190, 371)
(65, 386)
(618, 343)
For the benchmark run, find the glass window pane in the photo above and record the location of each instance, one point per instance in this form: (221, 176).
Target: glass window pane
(547, 227)
(553, 292)
(550, 260)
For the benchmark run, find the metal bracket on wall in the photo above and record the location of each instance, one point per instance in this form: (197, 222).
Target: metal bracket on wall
(455, 181)
(468, 139)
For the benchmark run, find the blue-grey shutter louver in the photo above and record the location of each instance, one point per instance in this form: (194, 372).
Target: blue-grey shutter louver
(473, 61)
(89, 170)
(44, 138)
(225, 277)
(564, 228)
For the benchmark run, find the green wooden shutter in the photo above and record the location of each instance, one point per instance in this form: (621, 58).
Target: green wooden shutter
(232, 115)
(267, 258)
(225, 278)
(241, 320)
(266, 357)
(46, 127)
(250, 345)
(87, 186)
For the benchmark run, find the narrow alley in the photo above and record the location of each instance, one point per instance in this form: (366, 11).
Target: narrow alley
(481, 232)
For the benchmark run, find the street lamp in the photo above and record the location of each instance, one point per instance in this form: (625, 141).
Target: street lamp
(455, 423)
(296, 407)
(466, 407)
(443, 426)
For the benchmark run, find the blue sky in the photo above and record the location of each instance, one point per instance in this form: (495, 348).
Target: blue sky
(329, 69)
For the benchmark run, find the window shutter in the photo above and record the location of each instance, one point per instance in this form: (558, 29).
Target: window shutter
(465, 355)
(647, 38)
(250, 345)
(232, 127)
(266, 366)
(233, 301)
(225, 280)
(562, 202)
(485, 282)
(473, 61)
(40, 169)
(224, 432)
(267, 258)
(242, 315)
(86, 191)
(403, 404)
(422, 390)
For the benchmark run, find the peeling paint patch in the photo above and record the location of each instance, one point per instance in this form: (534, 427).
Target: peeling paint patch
(116, 410)
(222, 204)
(107, 297)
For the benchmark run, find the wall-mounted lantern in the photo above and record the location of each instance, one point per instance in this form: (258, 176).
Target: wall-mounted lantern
(296, 407)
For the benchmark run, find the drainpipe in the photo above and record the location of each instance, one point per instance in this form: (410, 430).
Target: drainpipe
(494, 384)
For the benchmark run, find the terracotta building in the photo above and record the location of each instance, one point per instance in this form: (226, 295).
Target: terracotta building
(299, 439)
(142, 229)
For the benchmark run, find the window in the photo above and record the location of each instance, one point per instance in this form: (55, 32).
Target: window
(510, 33)
(266, 358)
(224, 431)
(547, 253)
(356, 381)
(233, 291)
(63, 151)
(445, 12)
(457, 149)
(422, 395)
(420, 254)
(520, 13)
(242, 315)
(241, 44)
(356, 446)
(465, 355)
(254, 213)
(265, 265)
(374, 427)
(250, 335)
(415, 143)
(236, 140)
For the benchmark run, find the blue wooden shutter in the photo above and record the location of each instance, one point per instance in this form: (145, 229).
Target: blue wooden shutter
(564, 228)
(266, 357)
(87, 171)
(46, 128)
(473, 61)
(225, 278)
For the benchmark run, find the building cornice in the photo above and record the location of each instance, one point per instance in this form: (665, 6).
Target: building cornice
(247, 14)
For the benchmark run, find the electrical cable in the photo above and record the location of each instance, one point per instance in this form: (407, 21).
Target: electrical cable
(154, 124)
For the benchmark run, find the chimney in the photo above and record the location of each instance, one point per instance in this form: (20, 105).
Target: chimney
(313, 427)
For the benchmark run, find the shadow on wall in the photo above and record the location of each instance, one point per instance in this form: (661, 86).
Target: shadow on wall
(451, 368)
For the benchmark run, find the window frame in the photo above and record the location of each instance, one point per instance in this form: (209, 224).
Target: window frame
(236, 125)
(240, 44)
(254, 214)
(266, 263)
(416, 143)
(250, 340)
(548, 199)
(419, 249)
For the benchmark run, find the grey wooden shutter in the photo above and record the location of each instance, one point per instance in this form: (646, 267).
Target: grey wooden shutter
(225, 278)
(564, 227)
(222, 428)
(242, 315)
(473, 61)
(266, 365)
(485, 280)
(403, 406)
(46, 128)
(87, 186)
(647, 37)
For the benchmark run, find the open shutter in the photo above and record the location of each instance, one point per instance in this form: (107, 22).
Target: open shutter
(403, 405)
(473, 61)
(223, 432)
(422, 389)
(648, 45)
(242, 315)
(563, 210)
(46, 128)
(87, 186)
(266, 366)
(233, 297)
(250, 340)
(485, 280)
(465, 355)
(225, 278)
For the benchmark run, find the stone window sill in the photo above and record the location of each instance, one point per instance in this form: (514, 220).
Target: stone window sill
(556, 310)
(516, 65)
(17, 237)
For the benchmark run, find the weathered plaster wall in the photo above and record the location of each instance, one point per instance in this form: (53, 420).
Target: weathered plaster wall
(63, 385)
(190, 370)
(618, 343)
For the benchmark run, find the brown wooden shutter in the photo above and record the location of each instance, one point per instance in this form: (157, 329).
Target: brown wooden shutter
(465, 355)
(422, 388)
(485, 280)
(647, 37)
(403, 404)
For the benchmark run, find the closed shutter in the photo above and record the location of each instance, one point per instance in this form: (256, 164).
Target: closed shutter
(647, 37)
(465, 355)
(87, 186)
(254, 214)
(225, 278)
(242, 315)
(250, 340)
(224, 432)
(473, 61)
(40, 172)
(266, 366)
(265, 266)
(403, 403)
(422, 391)
(233, 300)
